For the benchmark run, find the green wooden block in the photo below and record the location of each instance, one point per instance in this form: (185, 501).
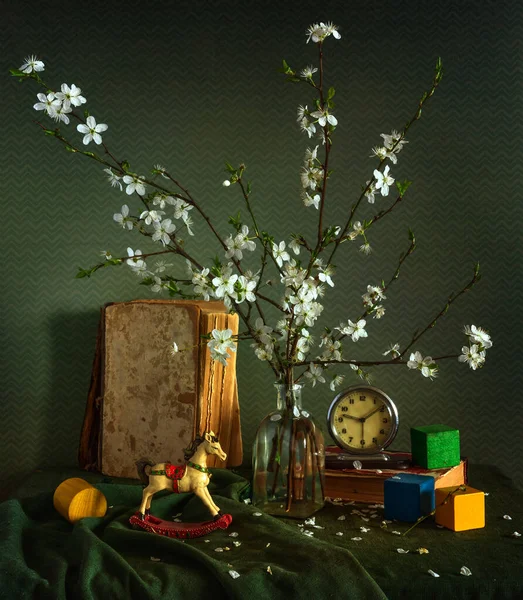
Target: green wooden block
(435, 446)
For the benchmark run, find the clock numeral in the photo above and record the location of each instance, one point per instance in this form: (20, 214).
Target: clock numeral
(385, 420)
(382, 409)
(350, 439)
(363, 398)
(344, 408)
(351, 400)
(340, 419)
(382, 431)
(374, 440)
(344, 430)
(374, 399)
(362, 442)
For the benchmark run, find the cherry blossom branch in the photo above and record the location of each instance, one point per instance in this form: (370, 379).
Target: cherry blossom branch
(475, 279)
(325, 165)
(424, 99)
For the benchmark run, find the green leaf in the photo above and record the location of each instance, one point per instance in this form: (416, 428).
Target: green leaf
(286, 69)
(125, 166)
(403, 186)
(51, 132)
(17, 73)
(439, 70)
(249, 188)
(236, 221)
(70, 149)
(331, 93)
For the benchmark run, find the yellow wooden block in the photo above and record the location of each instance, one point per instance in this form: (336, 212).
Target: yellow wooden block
(462, 509)
(75, 499)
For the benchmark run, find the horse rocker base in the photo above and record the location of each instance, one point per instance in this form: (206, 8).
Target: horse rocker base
(193, 476)
(179, 530)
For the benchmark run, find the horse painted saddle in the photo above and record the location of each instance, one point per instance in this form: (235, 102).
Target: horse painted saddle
(174, 472)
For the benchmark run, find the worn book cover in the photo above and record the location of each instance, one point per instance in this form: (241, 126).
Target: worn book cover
(145, 401)
(367, 485)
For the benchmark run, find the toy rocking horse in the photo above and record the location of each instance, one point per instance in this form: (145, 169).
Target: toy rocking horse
(193, 476)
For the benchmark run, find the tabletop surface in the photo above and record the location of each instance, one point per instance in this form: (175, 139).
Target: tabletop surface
(387, 562)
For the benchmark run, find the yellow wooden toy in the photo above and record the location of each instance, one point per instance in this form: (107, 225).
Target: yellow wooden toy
(460, 508)
(75, 499)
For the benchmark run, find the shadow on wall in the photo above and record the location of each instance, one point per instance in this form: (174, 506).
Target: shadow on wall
(52, 440)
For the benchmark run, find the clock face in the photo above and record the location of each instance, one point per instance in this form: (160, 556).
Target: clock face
(363, 420)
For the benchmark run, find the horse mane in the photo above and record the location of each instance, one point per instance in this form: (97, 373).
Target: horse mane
(191, 448)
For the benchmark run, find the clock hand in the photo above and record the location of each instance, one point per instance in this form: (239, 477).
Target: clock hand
(375, 410)
(351, 417)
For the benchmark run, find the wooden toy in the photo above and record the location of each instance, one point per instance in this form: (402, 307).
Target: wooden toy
(408, 497)
(193, 476)
(460, 508)
(435, 446)
(75, 499)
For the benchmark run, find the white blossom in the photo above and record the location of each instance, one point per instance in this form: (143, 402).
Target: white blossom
(472, 356)
(309, 200)
(162, 231)
(60, 114)
(426, 365)
(181, 210)
(357, 229)
(394, 142)
(314, 374)
(162, 200)
(32, 65)
(393, 350)
(323, 117)
(325, 275)
(219, 344)
(478, 336)
(336, 381)
(244, 289)
(92, 130)
(200, 282)
(365, 248)
(308, 72)
(383, 180)
(224, 284)
(240, 242)
(152, 216)
(279, 253)
(319, 31)
(113, 178)
(174, 348)
(355, 330)
(295, 245)
(123, 219)
(262, 332)
(71, 95)
(369, 194)
(134, 184)
(49, 103)
(134, 260)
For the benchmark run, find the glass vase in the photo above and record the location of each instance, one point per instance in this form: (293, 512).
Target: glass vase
(288, 459)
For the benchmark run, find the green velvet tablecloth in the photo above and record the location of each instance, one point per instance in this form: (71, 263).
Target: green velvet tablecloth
(43, 556)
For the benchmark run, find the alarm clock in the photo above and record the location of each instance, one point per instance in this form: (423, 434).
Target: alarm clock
(363, 420)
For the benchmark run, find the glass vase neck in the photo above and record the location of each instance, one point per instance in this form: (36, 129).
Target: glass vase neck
(288, 396)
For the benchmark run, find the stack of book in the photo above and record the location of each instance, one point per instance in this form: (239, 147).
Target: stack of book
(367, 484)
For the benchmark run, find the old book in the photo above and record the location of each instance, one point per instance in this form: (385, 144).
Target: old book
(144, 401)
(366, 485)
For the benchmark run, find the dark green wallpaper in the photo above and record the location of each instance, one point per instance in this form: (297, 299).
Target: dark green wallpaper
(191, 85)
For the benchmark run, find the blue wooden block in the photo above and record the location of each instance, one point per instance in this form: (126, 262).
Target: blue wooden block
(408, 497)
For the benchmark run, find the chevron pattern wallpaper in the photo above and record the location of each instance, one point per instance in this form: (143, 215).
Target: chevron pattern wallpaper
(191, 85)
